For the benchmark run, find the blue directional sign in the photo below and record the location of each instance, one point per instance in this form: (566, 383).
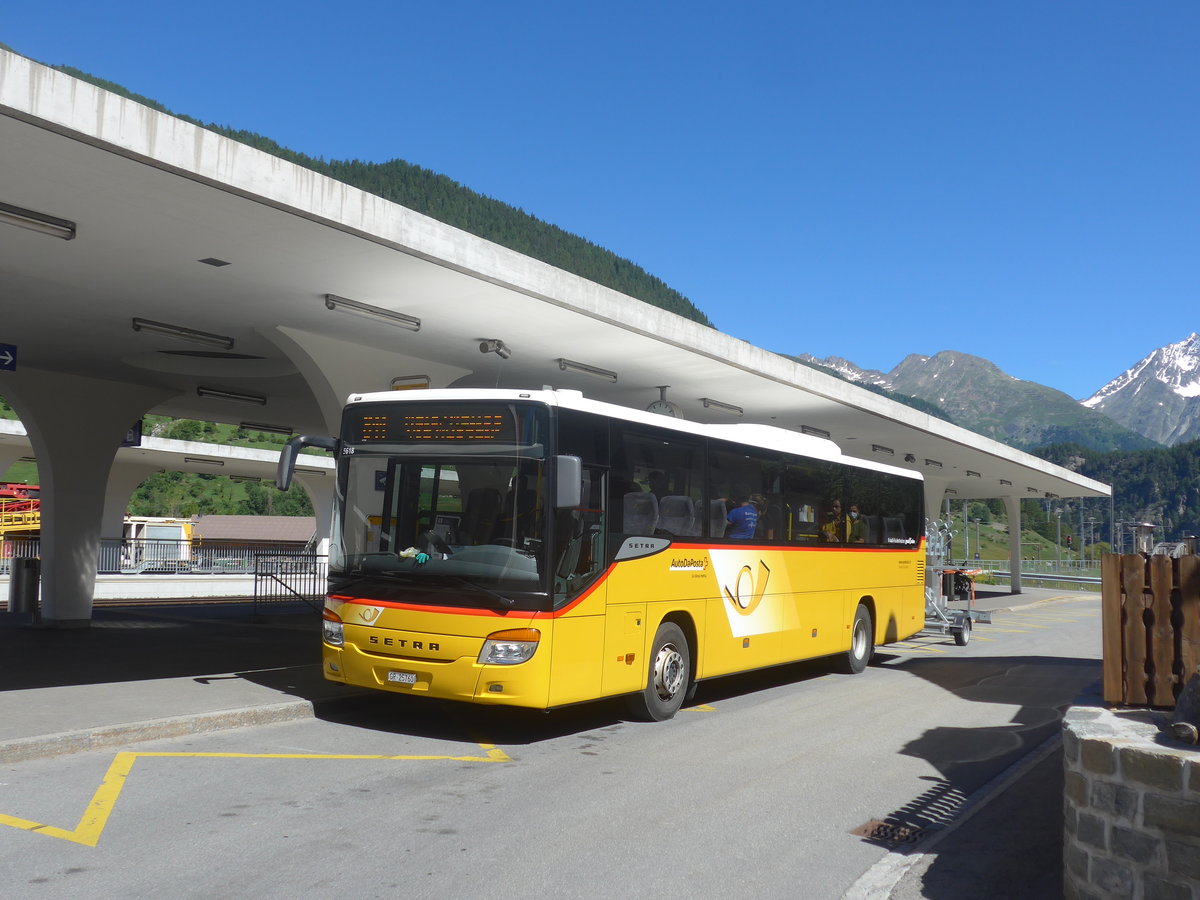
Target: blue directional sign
(8, 357)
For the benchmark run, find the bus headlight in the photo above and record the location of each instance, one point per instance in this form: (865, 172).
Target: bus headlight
(507, 648)
(331, 629)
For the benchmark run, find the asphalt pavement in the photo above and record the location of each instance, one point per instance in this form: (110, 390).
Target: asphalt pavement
(145, 671)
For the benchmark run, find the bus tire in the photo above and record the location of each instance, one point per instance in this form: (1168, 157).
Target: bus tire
(862, 642)
(668, 676)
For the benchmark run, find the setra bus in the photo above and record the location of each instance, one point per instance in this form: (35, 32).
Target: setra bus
(538, 549)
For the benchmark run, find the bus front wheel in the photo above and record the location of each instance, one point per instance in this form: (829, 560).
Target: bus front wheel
(862, 642)
(668, 675)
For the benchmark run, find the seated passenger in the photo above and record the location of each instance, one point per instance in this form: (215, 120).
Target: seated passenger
(742, 519)
(858, 526)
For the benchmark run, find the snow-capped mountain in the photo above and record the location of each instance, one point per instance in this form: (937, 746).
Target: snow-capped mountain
(1159, 397)
(975, 393)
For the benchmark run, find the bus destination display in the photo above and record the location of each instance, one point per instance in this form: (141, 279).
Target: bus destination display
(427, 426)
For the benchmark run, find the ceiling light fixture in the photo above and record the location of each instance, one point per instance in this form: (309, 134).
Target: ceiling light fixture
(971, 474)
(310, 471)
(234, 396)
(244, 479)
(1032, 490)
(710, 403)
(565, 364)
(1006, 481)
(411, 383)
(814, 431)
(494, 345)
(36, 221)
(934, 463)
(203, 462)
(879, 448)
(269, 429)
(952, 491)
(333, 301)
(184, 334)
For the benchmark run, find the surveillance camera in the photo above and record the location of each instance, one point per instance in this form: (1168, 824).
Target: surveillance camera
(909, 458)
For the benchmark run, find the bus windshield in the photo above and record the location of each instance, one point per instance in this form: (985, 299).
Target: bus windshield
(445, 505)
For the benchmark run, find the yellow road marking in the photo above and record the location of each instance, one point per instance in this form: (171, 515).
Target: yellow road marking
(911, 648)
(700, 707)
(1007, 630)
(95, 817)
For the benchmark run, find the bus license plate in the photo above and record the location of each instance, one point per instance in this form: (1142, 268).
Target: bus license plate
(402, 677)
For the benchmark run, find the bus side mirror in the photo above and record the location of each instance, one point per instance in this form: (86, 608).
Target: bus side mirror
(287, 456)
(569, 484)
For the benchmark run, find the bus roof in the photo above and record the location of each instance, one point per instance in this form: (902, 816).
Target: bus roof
(750, 434)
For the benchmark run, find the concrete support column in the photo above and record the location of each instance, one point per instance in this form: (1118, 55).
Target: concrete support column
(123, 480)
(75, 426)
(1012, 506)
(8, 456)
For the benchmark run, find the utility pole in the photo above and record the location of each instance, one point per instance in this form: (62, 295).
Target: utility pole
(1058, 514)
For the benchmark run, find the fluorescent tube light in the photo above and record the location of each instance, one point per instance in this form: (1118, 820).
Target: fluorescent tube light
(710, 403)
(233, 396)
(310, 471)
(185, 334)
(270, 429)
(971, 474)
(934, 463)
(244, 479)
(203, 462)
(411, 383)
(814, 431)
(1006, 481)
(565, 364)
(36, 221)
(333, 301)
(879, 448)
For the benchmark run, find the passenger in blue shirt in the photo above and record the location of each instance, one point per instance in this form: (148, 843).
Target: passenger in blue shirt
(742, 519)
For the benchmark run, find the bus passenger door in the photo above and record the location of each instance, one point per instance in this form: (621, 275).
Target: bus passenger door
(579, 632)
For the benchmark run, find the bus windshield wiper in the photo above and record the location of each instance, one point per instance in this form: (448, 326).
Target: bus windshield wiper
(505, 602)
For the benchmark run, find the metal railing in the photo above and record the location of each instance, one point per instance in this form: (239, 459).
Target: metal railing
(283, 579)
(155, 556)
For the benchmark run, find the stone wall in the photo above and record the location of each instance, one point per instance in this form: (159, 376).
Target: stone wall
(1131, 806)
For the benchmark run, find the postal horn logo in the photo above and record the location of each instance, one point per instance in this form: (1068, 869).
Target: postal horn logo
(369, 613)
(747, 591)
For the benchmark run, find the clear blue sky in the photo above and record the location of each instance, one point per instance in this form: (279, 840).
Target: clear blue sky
(1015, 180)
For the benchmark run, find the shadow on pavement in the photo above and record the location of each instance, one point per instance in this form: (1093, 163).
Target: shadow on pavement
(169, 642)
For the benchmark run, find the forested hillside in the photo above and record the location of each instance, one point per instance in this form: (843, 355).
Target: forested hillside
(1160, 486)
(444, 199)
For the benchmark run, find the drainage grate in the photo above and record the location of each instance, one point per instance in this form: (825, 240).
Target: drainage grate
(891, 834)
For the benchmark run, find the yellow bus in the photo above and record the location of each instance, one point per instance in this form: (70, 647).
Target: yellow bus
(539, 549)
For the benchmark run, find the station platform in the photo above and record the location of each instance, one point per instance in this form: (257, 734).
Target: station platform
(147, 670)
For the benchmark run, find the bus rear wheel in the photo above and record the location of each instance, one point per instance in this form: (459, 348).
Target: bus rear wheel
(668, 676)
(862, 642)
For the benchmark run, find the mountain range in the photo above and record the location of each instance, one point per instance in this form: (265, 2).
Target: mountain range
(976, 394)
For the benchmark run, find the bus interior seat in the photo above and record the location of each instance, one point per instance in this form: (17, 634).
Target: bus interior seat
(893, 527)
(874, 529)
(481, 515)
(640, 513)
(677, 514)
(716, 518)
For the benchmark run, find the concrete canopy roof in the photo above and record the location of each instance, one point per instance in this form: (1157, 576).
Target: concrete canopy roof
(154, 198)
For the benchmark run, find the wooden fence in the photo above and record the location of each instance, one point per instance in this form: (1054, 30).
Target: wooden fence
(1151, 627)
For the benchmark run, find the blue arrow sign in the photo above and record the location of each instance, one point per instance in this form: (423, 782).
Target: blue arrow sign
(8, 357)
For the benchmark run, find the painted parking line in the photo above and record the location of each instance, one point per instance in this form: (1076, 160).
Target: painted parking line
(95, 817)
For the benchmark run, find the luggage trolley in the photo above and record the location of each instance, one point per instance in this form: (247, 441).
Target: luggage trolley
(945, 583)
